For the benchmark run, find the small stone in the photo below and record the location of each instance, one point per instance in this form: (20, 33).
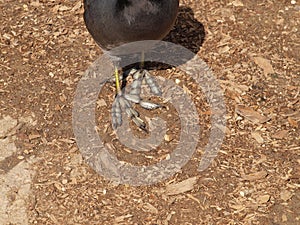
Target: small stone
(26, 152)
(64, 181)
(284, 218)
(263, 199)
(167, 138)
(101, 103)
(168, 157)
(285, 195)
(20, 157)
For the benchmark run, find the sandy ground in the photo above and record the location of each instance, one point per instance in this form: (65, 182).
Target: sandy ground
(253, 51)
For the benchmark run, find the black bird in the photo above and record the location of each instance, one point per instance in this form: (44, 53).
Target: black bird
(115, 22)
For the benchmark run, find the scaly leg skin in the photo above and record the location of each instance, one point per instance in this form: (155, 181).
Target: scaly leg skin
(123, 100)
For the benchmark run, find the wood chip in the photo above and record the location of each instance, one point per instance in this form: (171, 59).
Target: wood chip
(20, 157)
(35, 4)
(33, 136)
(264, 64)
(251, 115)
(237, 3)
(284, 218)
(63, 8)
(150, 208)
(167, 138)
(255, 176)
(257, 137)
(262, 159)
(181, 187)
(193, 198)
(224, 49)
(263, 199)
(101, 102)
(52, 218)
(292, 122)
(68, 141)
(122, 218)
(237, 206)
(77, 6)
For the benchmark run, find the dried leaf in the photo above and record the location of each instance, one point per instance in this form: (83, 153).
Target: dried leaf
(181, 187)
(251, 115)
(255, 176)
(237, 207)
(280, 134)
(264, 64)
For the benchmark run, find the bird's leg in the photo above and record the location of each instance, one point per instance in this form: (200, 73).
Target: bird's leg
(142, 60)
(120, 103)
(140, 76)
(148, 78)
(117, 79)
(134, 94)
(123, 100)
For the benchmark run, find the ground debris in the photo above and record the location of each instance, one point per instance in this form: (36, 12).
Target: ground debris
(181, 187)
(251, 115)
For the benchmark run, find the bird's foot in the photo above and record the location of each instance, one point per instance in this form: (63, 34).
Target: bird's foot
(140, 76)
(123, 103)
(123, 100)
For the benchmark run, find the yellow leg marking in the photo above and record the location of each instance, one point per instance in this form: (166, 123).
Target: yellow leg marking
(117, 80)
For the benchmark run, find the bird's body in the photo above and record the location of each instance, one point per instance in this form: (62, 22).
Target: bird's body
(113, 23)
(116, 22)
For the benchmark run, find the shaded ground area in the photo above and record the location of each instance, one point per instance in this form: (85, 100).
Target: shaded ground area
(253, 50)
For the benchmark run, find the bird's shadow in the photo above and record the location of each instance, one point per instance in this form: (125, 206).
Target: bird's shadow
(188, 32)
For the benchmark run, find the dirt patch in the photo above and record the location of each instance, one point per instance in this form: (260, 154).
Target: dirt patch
(15, 175)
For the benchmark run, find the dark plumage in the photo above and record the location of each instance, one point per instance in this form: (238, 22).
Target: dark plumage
(115, 22)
